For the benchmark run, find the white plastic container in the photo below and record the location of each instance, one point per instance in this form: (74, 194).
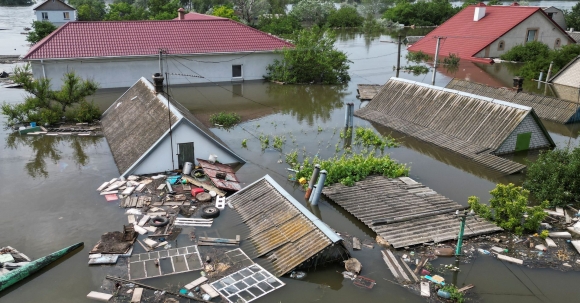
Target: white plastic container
(187, 167)
(212, 158)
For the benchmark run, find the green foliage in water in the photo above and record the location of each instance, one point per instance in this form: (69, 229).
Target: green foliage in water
(280, 25)
(245, 143)
(456, 296)
(89, 10)
(279, 142)
(417, 57)
(554, 176)
(421, 13)
(509, 208)
(264, 141)
(312, 11)
(367, 137)
(84, 111)
(225, 120)
(346, 16)
(314, 59)
(452, 60)
(416, 69)
(40, 29)
(348, 169)
(537, 57)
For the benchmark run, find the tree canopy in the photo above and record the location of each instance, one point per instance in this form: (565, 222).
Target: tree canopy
(40, 29)
(225, 12)
(421, 13)
(573, 17)
(312, 11)
(89, 10)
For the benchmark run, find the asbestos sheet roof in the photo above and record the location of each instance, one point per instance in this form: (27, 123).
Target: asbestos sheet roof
(575, 36)
(367, 91)
(280, 226)
(230, 183)
(470, 125)
(569, 75)
(549, 108)
(145, 38)
(420, 214)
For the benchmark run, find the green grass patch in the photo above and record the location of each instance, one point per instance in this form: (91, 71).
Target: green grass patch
(224, 119)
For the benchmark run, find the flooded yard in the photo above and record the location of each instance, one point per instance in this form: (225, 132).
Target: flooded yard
(49, 199)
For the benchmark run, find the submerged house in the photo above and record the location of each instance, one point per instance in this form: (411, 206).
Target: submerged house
(55, 11)
(149, 132)
(282, 231)
(114, 53)
(473, 126)
(480, 32)
(566, 83)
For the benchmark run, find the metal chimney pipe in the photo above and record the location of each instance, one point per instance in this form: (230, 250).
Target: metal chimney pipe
(158, 82)
(312, 181)
(319, 187)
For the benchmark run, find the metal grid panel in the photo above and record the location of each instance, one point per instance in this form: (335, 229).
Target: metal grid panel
(247, 284)
(164, 262)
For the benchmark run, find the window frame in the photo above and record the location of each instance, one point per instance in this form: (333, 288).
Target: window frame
(536, 32)
(241, 71)
(42, 14)
(501, 45)
(66, 15)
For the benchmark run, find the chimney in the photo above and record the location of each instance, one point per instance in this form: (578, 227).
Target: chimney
(479, 11)
(515, 4)
(518, 84)
(158, 81)
(181, 13)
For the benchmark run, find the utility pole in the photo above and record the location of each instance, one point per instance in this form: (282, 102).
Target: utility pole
(398, 57)
(435, 59)
(160, 64)
(462, 217)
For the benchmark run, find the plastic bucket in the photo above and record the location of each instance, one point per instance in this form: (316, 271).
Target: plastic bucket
(187, 167)
(32, 124)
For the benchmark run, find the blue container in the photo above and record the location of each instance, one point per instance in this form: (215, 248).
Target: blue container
(443, 294)
(32, 124)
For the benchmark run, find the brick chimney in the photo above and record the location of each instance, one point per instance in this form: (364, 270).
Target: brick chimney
(158, 82)
(479, 11)
(181, 13)
(518, 84)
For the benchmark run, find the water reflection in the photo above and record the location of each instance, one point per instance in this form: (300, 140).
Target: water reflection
(48, 148)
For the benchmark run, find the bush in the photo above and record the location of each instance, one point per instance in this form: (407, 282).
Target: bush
(554, 177)
(225, 120)
(538, 56)
(456, 296)
(421, 13)
(314, 59)
(368, 138)
(312, 11)
(225, 12)
(280, 25)
(346, 16)
(40, 29)
(527, 52)
(417, 57)
(508, 207)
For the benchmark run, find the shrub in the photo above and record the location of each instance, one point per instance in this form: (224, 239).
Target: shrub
(421, 13)
(508, 208)
(86, 112)
(368, 138)
(538, 56)
(346, 16)
(225, 120)
(527, 52)
(280, 25)
(417, 57)
(225, 12)
(554, 176)
(456, 296)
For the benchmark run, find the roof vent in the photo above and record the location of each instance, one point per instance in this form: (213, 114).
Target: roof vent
(181, 13)
(479, 12)
(158, 81)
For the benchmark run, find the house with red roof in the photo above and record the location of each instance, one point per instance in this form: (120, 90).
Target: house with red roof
(197, 49)
(479, 32)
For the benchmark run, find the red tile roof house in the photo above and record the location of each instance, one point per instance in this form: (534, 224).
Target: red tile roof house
(480, 32)
(195, 50)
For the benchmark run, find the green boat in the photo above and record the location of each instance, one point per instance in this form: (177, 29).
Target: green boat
(18, 274)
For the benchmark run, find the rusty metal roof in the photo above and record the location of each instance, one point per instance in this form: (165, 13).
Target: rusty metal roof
(420, 214)
(280, 226)
(549, 108)
(230, 183)
(470, 125)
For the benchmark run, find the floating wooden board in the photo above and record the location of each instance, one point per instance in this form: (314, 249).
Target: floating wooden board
(103, 186)
(104, 259)
(576, 244)
(551, 242)
(143, 220)
(195, 283)
(137, 294)
(510, 259)
(208, 289)
(99, 296)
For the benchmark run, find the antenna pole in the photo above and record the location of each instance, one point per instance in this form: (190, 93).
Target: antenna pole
(435, 60)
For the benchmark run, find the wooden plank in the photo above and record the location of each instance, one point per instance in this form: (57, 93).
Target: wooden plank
(151, 243)
(355, 243)
(140, 187)
(390, 266)
(137, 293)
(104, 259)
(140, 230)
(551, 242)
(128, 191)
(560, 234)
(195, 283)
(510, 259)
(134, 201)
(103, 193)
(398, 266)
(191, 180)
(466, 287)
(425, 289)
(409, 270)
(143, 220)
(218, 240)
(162, 244)
(103, 186)
(146, 248)
(158, 213)
(99, 296)
(131, 219)
(568, 219)
(151, 228)
(208, 289)
(161, 186)
(576, 244)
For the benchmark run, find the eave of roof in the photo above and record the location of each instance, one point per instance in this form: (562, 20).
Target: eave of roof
(563, 69)
(36, 7)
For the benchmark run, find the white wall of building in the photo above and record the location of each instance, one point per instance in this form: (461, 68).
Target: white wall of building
(538, 139)
(56, 17)
(557, 16)
(159, 160)
(547, 34)
(123, 71)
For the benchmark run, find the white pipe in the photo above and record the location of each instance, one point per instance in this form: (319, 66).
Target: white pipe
(319, 187)
(43, 72)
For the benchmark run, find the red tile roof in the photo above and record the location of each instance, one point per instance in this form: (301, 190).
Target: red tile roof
(466, 37)
(198, 16)
(143, 38)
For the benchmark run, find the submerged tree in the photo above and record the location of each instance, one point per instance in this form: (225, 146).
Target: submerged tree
(48, 106)
(40, 29)
(89, 10)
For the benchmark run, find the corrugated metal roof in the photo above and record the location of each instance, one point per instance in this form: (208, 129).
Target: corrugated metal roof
(545, 107)
(569, 75)
(470, 125)
(139, 119)
(280, 225)
(575, 36)
(146, 38)
(423, 214)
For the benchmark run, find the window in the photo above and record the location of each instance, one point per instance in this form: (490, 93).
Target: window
(44, 16)
(551, 15)
(557, 43)
(531, 35)
(501, 45)
(236, 71)
(66, 15)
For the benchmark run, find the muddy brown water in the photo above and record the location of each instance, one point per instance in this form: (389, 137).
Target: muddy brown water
(49, 199)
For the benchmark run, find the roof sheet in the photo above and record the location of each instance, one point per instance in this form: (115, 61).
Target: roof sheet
(423, 215)
(569, 75)
(52, 5)
(145, 38)
(549, 108)
(230, 183)
(466, 37)
(575, 36)
(280, 225)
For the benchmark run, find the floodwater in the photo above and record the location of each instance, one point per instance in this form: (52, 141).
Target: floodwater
(49, 199)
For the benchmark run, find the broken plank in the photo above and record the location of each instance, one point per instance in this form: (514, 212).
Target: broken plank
(355, 243)
(390, 266)
(551, 242)
(140, 187)
(191, 180)
(146, 248)
(510, 259)
(103, 186)
(397, 265)
(99, 296)
(139, 229)
(143, 220)
(109, 192)
(131, 219)
(466, 287)
(137, 293)
(128, 191)
(208, 289)
(162, 244)
(195, 283)
(410, 271)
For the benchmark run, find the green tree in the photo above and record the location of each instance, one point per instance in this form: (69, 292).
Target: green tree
(421, 13)
(89, 10)
(538, 56)
(225, 12)
(125, 11)
(312, 11)
(573, 17)
(509, 208)
(346, 16)
(494, 2)
(555, 177)
(40, 29)
(48, 106)
(251, 9)
(281, 25)
(163, 9)
(313, 60)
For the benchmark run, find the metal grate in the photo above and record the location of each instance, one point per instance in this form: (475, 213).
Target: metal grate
(247, 285)
(164, 262)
